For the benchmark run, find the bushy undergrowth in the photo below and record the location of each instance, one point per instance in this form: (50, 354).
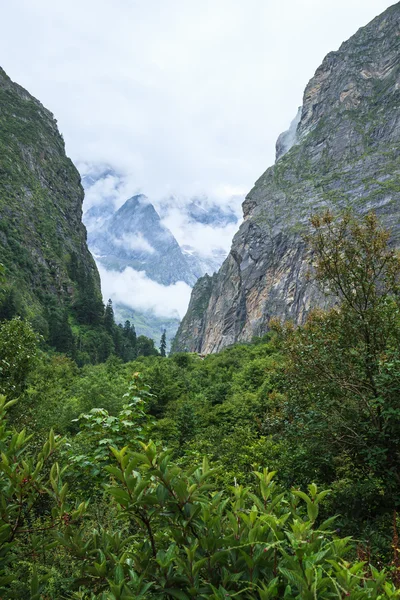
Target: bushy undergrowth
(118, 516)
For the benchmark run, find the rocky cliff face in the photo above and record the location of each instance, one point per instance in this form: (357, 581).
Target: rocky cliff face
(42, 238)
(345, 152)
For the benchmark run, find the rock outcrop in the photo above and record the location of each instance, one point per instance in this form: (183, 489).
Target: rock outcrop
(344, 152)
(42, 239)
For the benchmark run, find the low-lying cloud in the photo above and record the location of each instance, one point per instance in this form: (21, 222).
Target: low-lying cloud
(114, 189)
(205, 239)
(134, 289)
(135, 242)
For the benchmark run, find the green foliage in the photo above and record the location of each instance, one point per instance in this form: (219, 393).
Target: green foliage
(188, 541)
(317, 403)
(89, 451)
(18, 347)
(342, 375)
(9, 305)
(33, 504)
(146, 347)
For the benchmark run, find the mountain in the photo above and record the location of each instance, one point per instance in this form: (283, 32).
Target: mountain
(42, 239)
(134, 236)
(137, 236)
(343, 150)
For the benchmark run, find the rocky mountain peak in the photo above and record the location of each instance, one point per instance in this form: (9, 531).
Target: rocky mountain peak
(344, 151)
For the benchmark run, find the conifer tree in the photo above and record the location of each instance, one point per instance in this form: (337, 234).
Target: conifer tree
(8, 305)
(163, 344)
(109, 321)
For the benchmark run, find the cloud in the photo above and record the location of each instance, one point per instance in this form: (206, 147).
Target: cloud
(135, 242)
(115, 189)
(205, 239)
(103, 184)
(132, 288)
(184, 97)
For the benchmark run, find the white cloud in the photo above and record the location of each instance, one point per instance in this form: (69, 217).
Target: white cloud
(134, 242)
(184, 96)
(205, 239)
(137, 291)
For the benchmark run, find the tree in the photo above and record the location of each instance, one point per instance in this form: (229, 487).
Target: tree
(343, 373)
(88, 306)
(109, 321)
(60, 332)
(163, 344)
(18, 349)
(130, 333)
(8, 305)
(146, 347)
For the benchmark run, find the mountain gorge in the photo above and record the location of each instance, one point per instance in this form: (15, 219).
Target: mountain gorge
(342, 151)
(260, 470)
(136, 237)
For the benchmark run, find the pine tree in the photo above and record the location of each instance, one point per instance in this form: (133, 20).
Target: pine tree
(60, 332)
(88, 307)
(163, 344)
(130, 341)
(109, 321)
(8, 305)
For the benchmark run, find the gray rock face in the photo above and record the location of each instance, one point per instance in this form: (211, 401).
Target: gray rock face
(135, 237)
(346, 153)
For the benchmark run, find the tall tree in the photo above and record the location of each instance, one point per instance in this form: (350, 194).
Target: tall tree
(163, 344)
(343, 375)
(109, 320)
(146, 347)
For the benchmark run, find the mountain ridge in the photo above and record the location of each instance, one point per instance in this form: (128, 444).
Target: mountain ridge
(42, 237)
(345, 153)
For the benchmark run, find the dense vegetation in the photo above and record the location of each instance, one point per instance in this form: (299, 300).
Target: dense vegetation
(267, 471)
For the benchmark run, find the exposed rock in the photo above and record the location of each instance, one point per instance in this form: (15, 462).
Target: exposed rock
(347, 153)
(135, 237)
(41, 196)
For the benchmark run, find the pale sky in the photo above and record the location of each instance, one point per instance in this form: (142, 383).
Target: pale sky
(179, 97)
(184, 96)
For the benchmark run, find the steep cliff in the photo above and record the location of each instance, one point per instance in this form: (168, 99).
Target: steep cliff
(345, 151)
(42, 239)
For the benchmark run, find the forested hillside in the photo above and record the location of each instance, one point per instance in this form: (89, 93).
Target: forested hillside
(51, 278)
(269, 470)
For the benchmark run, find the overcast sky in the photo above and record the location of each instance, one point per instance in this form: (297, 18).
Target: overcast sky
(182, 97)
(185, 96)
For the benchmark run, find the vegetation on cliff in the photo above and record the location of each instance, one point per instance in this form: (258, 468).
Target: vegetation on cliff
(51, 277)
(345, 155)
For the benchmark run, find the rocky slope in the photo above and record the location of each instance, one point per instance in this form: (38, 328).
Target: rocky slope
(345, 151)
(42, 238)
